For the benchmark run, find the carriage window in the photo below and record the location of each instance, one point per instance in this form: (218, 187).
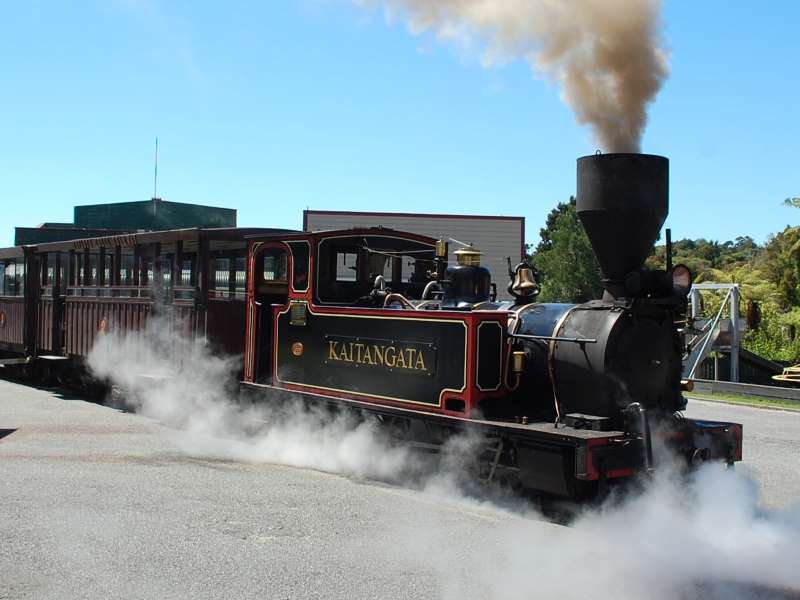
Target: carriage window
(50, 272)
(166, 272)
(20, 277)
(300, 251)
(126, 270)
(90, 275)
(380, 264)
(221, 274)
(108, 273)
(15, 278)
(241, 275)
(346, 266)
(415, 271)
(187, 267)
(3, 280)
(275, 266)
(74, 266)
(146, 273)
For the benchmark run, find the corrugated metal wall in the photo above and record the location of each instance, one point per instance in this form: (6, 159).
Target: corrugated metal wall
(496, 237)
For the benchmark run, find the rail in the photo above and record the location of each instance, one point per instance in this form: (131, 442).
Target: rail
(709, 386)
(122, 291)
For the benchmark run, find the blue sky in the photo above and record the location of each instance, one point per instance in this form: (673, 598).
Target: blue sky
(273, 107)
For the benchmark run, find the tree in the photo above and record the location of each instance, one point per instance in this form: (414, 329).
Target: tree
(782, 264)
(565, 258)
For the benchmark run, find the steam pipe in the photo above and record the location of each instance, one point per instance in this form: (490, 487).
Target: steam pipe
(430, 285)
(554, 338)
(644, 429)
(669, 248)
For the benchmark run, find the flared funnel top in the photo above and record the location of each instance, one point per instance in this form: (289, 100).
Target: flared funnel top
(623, 200)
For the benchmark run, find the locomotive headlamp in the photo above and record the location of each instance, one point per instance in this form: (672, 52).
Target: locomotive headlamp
(681, 279)
(468, 257)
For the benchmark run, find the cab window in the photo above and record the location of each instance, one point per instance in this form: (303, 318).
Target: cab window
(347, 267)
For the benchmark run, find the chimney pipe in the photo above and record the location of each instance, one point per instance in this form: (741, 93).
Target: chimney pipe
(623, 200)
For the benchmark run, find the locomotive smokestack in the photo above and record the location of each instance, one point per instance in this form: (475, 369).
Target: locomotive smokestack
(623, 200)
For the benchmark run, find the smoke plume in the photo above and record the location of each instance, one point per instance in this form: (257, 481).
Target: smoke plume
(607, 55)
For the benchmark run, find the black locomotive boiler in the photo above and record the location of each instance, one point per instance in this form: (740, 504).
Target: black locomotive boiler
(624, 350)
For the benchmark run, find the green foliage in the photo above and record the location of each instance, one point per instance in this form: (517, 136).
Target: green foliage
(565, 258)
(782, 264)
(768, 275)
(795, 202)
(703, 255)
(773, 337)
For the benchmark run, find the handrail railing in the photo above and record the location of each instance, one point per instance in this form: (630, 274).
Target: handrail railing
(711, 327)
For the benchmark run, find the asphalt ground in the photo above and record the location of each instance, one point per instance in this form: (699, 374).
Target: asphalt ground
(771, 445)
(99, 503)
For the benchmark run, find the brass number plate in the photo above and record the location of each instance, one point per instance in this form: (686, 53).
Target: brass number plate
(299, 313)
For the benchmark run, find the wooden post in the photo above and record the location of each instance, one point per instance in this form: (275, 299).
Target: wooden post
(87, 268)
(58, 308)
(232, 274)
(101, 268)
(31, 300)
(137, 259)
(203, 282)
(57, 276)
(43, 265)
(177, 262)
(117, 277)
(158, 280)
(71, 269)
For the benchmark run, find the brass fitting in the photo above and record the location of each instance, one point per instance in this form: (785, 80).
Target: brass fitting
(517, 361)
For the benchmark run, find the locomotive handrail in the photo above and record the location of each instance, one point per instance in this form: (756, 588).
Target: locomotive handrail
(554, 338)
(707, 333)
(109, 291)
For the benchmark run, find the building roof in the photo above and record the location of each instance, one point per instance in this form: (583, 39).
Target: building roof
(153, 214)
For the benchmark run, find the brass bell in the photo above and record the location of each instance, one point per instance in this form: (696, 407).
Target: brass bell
(524, 283)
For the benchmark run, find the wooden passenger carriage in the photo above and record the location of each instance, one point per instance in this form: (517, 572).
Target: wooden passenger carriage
(67, 293)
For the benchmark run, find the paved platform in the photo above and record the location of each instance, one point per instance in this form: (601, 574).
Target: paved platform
(98, 503)
(771, 447)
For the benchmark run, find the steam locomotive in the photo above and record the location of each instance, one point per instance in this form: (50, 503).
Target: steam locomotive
(562, 398)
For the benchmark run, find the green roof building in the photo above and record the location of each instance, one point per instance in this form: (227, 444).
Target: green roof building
(152, 214)
(98, 220)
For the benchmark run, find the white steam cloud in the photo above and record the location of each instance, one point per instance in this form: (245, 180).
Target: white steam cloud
(192, 395)
(707, 538)
(607, 55)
